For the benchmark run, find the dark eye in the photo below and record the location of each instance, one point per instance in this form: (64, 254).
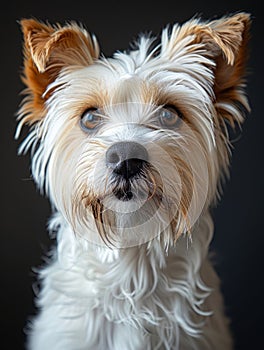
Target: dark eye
(90, 119)
(169, 116)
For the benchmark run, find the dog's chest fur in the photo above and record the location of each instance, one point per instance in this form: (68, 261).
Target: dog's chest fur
(136, 298)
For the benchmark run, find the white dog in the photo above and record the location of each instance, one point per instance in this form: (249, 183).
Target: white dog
(130, 151)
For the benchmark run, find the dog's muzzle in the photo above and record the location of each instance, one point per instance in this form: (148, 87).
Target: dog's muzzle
(127, 160)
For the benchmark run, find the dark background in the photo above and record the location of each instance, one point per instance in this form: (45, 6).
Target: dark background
(238, 240)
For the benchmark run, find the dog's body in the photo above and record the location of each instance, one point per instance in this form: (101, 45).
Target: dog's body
(130, 151)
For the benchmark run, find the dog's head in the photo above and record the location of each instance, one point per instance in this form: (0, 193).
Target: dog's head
(134, 144)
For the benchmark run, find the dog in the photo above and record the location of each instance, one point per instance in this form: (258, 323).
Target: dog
(132, 152)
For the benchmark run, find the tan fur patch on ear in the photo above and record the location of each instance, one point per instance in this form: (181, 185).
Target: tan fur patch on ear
(36, 35)
(226, 43)
(225, 35)
(234, 43)
(47, 50)
(230, 69)
(60, 46)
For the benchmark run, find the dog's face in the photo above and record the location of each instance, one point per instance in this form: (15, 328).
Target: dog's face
(133, 145)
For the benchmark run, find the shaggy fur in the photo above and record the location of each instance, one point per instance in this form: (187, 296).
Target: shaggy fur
(131, 268)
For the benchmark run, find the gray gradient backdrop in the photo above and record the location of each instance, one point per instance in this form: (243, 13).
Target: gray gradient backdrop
(238, 240)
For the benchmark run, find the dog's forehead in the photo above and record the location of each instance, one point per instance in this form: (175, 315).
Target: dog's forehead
(123, 79)
(133, 88)
(101, 86)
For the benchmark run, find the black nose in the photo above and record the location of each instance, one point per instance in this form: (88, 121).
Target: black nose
(126, 158)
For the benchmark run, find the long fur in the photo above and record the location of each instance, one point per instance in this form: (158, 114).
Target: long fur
(132, 274)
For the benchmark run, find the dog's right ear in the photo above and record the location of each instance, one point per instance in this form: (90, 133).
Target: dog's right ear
(47, 51)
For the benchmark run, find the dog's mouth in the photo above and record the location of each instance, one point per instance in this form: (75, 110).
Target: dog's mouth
(124, 193)
(143, 186)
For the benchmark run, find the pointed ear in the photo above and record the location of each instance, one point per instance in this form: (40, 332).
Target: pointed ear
(229, 46)
(225, 43)
(47, 51)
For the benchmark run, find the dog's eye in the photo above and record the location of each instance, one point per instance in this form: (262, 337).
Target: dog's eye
(169, 116)
(90, 119)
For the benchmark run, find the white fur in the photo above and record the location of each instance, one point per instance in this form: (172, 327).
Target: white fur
(136, 298)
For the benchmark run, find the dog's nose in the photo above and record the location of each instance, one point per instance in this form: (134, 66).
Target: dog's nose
(126, 158)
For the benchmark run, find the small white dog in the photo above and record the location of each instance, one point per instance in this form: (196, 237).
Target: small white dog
(131, 151)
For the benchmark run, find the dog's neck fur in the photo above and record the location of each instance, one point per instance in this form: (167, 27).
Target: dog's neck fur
(151, 288)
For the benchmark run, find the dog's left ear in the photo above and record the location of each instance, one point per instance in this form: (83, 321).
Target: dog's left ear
(231, 35)
(225, 43)
(47, 51)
